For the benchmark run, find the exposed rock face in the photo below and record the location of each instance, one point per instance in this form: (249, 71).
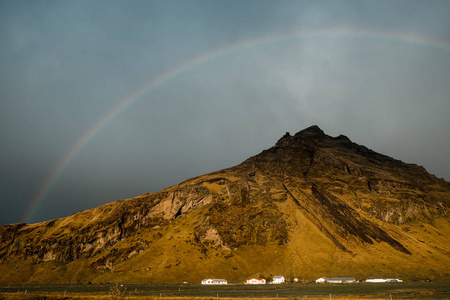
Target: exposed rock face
(311, 200)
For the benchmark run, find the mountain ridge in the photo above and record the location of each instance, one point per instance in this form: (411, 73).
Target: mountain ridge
(310, 206)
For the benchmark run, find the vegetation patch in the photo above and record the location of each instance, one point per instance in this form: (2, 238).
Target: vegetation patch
(251, 224)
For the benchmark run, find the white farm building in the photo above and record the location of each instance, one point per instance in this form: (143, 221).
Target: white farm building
(255, 281)
(214, 281)
(383, 280)
(278, 279)
(336, 280)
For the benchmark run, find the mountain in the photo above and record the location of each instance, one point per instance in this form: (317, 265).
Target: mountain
(310, 206)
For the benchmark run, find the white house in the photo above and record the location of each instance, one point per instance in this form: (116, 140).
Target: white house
(214, 281)
(336, 280)
(255, 281)
(278, 279)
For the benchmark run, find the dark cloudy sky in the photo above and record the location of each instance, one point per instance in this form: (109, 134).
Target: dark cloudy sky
(231, 78)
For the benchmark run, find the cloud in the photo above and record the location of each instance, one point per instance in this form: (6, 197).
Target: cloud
(64, 64)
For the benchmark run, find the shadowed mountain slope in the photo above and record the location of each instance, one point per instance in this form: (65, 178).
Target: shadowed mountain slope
(310, 206)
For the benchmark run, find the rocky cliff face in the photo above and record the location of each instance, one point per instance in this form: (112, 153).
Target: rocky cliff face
(311, 206)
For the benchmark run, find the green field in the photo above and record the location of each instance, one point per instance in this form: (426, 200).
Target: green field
(406, 290)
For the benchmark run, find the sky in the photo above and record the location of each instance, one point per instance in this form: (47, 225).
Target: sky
(103, 100)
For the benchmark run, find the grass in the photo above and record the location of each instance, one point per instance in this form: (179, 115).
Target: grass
(407, 290)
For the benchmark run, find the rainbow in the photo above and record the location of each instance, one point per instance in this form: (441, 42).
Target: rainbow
(123, 104)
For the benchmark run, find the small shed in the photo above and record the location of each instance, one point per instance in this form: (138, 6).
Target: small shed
(214, 281)
(255, 281)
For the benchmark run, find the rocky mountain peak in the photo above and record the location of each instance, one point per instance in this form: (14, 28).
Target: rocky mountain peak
(310, 132)
(312, 205)
(311, 136)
